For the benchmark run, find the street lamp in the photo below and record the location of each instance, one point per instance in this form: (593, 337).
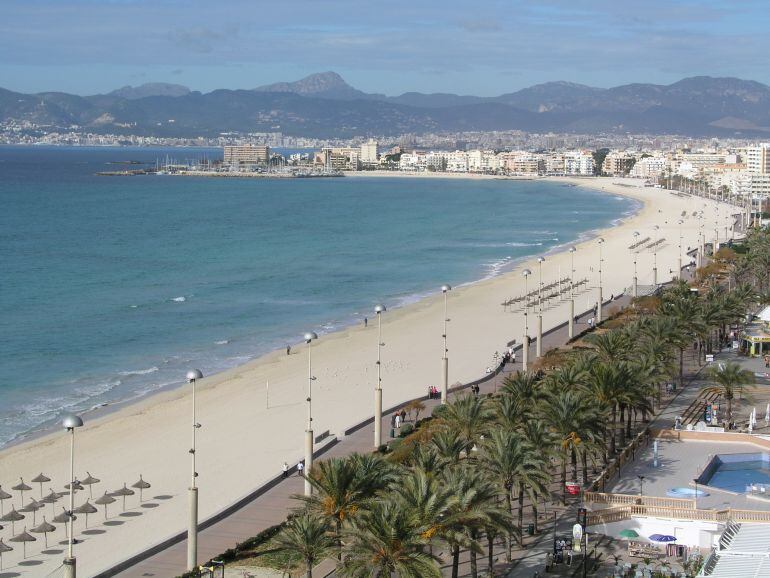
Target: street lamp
(641, 486)
(539, 343)
(192, 532)
(525, 343)
(571, 322)
(599, 304)
(309, 338)
(680, 222)
(70, 423)
(379, 310)
(445, 289)
(655, 258)
(636, 279)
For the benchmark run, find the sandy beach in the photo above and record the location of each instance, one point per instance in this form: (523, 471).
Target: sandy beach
(243, 442)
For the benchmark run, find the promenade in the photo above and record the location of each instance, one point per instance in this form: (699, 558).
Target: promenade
(272, 506)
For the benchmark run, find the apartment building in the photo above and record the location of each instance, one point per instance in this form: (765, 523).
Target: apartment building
(368, 153)
(649, 167)
(246, 156)
(579, 163)
(618, 164)
(757, 159)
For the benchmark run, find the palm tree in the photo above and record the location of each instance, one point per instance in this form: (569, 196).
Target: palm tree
(305, 534)
(385, 540)
(469, 416)
(607, 383)
(729, 379)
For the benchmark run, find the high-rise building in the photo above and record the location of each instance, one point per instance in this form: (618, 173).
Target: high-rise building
(757, 159)
(368, 153)
(246, 156)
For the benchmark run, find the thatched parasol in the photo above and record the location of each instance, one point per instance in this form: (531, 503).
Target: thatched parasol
(3, 549)
(3, 496)
(24, 537)
(87, 508)
(21, 487)
(44, 529)
(41, 479)
(123, 492)
(51, 498)
(141, 485)
(105, 501)
(32, 507)
(89, 481)
(13, 516)
(63, 518)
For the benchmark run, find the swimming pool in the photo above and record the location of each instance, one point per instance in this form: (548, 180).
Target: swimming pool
(737, 472)
(685, 493)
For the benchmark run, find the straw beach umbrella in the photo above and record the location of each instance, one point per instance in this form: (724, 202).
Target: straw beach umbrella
(63, 519)
(44, 529)
(3, 496)
(87, 508)
(141, 485)
(105, 501)
(41, 479)
(21, 487)
(51, 498)
(13, 516)
(32, 507)
(123, 492)
(89, 481)
(24, 537)
(3, 549)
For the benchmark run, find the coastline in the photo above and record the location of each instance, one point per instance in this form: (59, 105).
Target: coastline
(122, 442)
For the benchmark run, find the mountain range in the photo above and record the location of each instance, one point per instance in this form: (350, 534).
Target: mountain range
(324, 105)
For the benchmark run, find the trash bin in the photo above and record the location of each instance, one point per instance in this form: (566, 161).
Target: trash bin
(392, 432)
(530, 529)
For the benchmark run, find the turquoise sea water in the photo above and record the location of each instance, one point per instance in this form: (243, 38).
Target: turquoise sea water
(111, 287)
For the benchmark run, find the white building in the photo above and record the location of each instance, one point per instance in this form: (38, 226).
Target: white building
(457, 162)
(757, 158)
(649, 167)
(579, 163)
(368, 154)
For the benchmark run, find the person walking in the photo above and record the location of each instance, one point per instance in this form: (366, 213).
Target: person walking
(366, 322)
(300, 468)
(288, 350)
(403, 415)
(397, 421)
(285, 469)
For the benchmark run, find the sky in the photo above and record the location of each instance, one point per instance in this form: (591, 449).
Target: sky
(480, 47)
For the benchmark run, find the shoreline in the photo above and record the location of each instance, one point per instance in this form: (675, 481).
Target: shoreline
(231, 397)
(104, 410)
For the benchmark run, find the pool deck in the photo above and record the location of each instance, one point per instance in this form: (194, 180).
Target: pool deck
(679, 462)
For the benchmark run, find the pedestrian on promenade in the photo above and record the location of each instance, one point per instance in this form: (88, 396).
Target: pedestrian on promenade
(513, 357)
(366, 322)
(288, 350)
(397, 421)
(393, 421)
(590, 322)
(285, 469)
(403, 415)
(300, 468)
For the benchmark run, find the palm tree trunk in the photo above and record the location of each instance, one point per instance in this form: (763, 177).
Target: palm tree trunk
(309, 569)
(474, 564)
(613, 430)
(521, 513)
(622, 426)
(564, 478)
(510, 534)
(681, 367)
(574, 464)
(584, 460)
(534, 511)
(490, 553)
(455, 560)
(338, 538)
(628, 424)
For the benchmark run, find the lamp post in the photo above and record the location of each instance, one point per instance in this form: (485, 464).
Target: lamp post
(635, 292)
(599, 304)
(641, 486)
(539, 343)
(680, 222)
(655, 257)
(445, 289)
(525, 342)
(70, 423)
(379, 310)
(696, 492)
(571, 321)
(192, 532)
(309, 338)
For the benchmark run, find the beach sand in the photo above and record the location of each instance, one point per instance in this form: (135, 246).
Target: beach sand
(242, 443)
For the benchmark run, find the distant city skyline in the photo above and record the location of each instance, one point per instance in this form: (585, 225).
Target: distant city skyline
(95, 46)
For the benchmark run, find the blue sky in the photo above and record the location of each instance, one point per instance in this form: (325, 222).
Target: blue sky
(483, 47)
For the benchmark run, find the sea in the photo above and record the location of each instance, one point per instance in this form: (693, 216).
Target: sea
(112, 287)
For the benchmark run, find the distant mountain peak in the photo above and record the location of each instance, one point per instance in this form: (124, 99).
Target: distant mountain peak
(150, 89)
(321, 84)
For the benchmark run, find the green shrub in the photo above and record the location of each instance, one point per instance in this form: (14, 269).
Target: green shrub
(438, 411)
(405, 430)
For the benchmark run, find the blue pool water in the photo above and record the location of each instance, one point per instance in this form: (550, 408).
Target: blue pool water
(111, 287)
(734, 472)
(685, 493)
